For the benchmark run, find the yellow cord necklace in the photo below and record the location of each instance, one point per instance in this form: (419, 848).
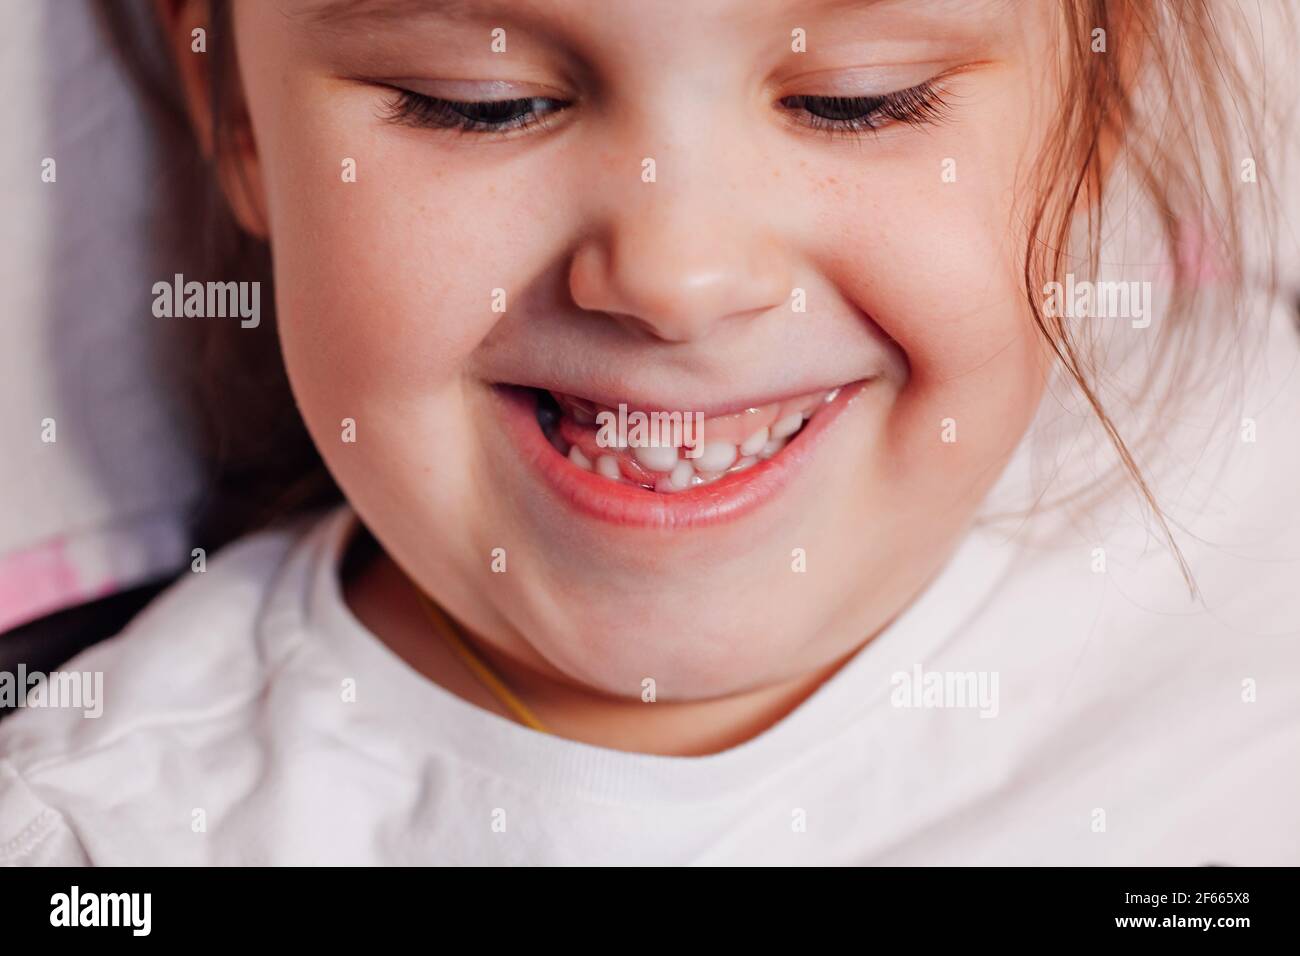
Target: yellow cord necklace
(452, 633)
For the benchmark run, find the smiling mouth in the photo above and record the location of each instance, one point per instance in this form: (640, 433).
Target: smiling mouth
(671, 452)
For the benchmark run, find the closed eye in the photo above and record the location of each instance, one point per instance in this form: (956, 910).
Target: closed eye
(484, 116)
(916, 106)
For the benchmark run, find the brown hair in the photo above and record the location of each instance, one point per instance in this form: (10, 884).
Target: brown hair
(1178, 105)
(1174, 100)
(261, 464)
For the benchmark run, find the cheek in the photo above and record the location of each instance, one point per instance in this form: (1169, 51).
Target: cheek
(386, 285)
(938, 267)
(390, 276)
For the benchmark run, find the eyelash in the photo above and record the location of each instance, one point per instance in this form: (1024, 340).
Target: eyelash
(918, 105)
(495, 116)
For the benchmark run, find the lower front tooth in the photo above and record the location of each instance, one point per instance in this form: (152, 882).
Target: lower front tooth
(772, 447)
(754, 443)
(787, 426)
(607, 465)
(656, 458)
(578, 458)
(716, 456)
(681, 475)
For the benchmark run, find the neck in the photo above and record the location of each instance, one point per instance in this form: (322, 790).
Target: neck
(382, 598)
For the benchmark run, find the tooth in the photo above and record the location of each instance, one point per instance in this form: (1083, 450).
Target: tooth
(666, 485)
(578, 458)
(681, 475)
(607, 465)
(787, 426)
(772, 447)
(754, 443)
(660, 458)
(716, 456)
(744, 463)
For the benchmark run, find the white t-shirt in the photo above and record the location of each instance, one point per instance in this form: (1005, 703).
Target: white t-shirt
(1091, 713)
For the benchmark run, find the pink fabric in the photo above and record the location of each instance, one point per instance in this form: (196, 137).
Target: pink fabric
(42, 580)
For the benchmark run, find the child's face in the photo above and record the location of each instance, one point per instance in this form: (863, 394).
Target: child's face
(902, 245)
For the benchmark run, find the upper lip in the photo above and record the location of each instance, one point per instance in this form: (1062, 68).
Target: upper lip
(711, 407)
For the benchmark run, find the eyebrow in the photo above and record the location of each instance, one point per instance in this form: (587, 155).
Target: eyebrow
(337, 13)
(340, 12)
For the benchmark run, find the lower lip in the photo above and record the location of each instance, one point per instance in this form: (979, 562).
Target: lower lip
(626, 505)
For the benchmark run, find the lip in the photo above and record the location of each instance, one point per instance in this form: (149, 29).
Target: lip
(727, 499)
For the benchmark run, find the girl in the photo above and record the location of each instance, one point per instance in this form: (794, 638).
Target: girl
(986, 550)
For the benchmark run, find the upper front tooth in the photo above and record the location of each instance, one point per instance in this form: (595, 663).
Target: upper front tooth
(754, 443)
(716, 456)
(656, 458)
(787, 426)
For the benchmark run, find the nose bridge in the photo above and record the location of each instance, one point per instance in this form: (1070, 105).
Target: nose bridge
(675, 255)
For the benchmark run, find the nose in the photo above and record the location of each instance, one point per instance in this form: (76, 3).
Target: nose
(675, 265)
